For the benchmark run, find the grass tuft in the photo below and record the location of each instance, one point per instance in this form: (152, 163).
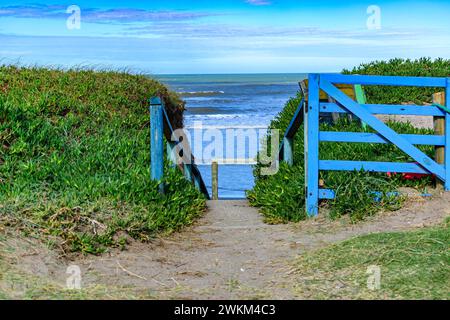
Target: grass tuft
(413, 265)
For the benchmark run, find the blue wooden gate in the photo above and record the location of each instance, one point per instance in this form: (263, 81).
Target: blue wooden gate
(384, 134)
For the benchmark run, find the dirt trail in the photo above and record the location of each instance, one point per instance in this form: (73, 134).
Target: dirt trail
(229, 253)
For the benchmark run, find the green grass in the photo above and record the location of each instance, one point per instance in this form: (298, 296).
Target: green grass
(74, 159)
(281, 197)
(414, 265)
(423, 67)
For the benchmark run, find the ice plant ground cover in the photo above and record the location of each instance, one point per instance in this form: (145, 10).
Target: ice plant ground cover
(74, 159)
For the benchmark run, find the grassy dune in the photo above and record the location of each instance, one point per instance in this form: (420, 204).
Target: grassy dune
(74, 159)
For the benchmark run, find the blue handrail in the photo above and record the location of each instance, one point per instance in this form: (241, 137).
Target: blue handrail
(191, 170)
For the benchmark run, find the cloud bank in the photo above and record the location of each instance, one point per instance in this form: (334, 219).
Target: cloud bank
(116, 15)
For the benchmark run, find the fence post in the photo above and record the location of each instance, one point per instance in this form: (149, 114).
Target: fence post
(361, 99)
(312, 147)
(215, 180)
(288, 150)
(439, 130)
(156, 140)
(447, 137)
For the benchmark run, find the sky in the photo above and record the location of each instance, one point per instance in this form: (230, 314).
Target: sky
(221, 36)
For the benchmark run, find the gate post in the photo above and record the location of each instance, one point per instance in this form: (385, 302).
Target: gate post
(447, 137)
(439, 130)
(312, 147)
(156, 140)
(215, 180)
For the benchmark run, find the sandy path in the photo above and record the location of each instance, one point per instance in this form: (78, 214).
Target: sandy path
(231, 253)
(228, 254)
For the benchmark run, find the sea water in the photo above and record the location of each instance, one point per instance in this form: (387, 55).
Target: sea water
(229, 102)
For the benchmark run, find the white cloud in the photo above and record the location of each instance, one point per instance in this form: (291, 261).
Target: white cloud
(259, 2)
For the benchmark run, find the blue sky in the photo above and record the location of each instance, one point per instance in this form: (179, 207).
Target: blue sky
(228, 36)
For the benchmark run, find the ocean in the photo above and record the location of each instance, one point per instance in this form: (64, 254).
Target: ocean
(219, 104)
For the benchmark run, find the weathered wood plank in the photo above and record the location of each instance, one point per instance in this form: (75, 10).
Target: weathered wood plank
(348, 89)
(215, 180)
(439, 129)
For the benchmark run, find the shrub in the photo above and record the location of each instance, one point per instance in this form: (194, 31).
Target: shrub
(423, 67)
